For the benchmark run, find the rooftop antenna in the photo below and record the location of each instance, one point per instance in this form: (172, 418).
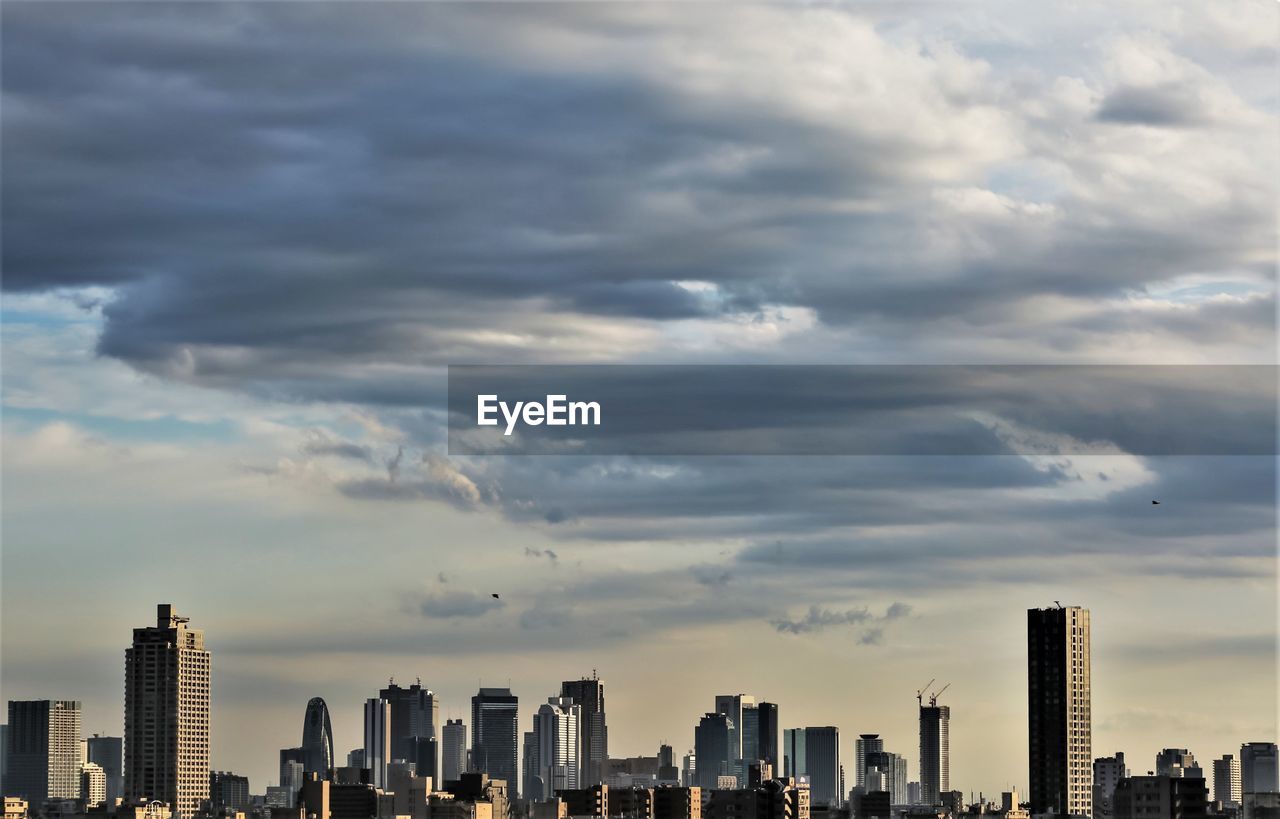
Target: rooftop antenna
(1056, 603)
(921, 692)
(933, 698)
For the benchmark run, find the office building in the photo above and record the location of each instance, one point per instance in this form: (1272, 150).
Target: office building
(377, 740)
(228, 791)
(415, 712)
(1177, 762)
(108, 754)
(731, 705)
(864, 745)
(1107, 773)
(93, 785)
(935, 751)
(317, 739)
(822, 756)
(495, 736)
(557, 727)
(893, 775)
(453, 760)
(43, 750)
(793, 754)
(1059, 711)
(713, 747)
(166, 716)
(1258, 767)
(589, 693)
(1226, 781)
(768, 736)
(1161, 797)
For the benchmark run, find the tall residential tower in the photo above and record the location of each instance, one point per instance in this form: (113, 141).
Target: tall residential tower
(1059, 711)
(166, 714)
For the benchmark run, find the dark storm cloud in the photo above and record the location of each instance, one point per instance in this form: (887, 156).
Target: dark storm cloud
(318, 200)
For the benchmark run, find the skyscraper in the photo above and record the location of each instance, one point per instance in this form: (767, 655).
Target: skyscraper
(1226, 781)
(377, 740)
(108, 754)
(893, 768)
(556, 732)
(317, 738)
(415, 712)
(731, 705)
(793, 753)
(495, 735)
(453, 750)
(43, 750)
(822, 751)
(865, 744)
(589, 693)
(767, 735)
(1059, 715)
(166, 714)
(1258, 767)
(750, 734)
(713, 748)
(935, 751)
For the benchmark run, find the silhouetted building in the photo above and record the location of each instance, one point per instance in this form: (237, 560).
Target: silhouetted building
(732, 706)
(1107, 773)
(594, 751)
(453, 759)
(495, 735)
(1259, 771)
(317, 739)
(1059, 716)
(771, 799)
(1161, 797)
(415, 712)
(557, 758)
(108, 754)
(166, 714)
(43, 750)
(591, 801)
(631, 803)
(793, 753)
(865, 744)
(874, 805)
(822, 753)
(377, 740)
(767, 735)
(713, 745)
(228, 790)
(1177, 762)
(671, 802)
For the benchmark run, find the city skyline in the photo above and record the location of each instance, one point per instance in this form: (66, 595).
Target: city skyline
(393, 704)
(244, 241)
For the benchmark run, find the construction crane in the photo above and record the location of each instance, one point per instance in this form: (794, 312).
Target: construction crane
(921, 692)
(933, 698)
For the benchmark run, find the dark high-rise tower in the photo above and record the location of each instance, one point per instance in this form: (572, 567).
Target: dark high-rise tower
(166, 714)
(822, 751)
(589, 693)
(935, 751)
(1058, 706)
(43, 750)
(495, 737)
(767, 735)
(415, 713)
(317, 738)
(713, 747)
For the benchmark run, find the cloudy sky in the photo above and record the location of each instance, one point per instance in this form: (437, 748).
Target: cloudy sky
(242, 242)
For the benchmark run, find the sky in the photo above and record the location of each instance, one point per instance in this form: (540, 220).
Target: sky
(243, 241)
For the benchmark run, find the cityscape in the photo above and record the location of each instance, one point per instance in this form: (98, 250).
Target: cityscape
(740, 764)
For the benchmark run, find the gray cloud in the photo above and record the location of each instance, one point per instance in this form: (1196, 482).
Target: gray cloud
(456, 603)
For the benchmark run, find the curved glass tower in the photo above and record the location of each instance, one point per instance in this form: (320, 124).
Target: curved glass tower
(317, 738)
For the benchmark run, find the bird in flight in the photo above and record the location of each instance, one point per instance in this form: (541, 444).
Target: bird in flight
(1155, 503)
(495, 597)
